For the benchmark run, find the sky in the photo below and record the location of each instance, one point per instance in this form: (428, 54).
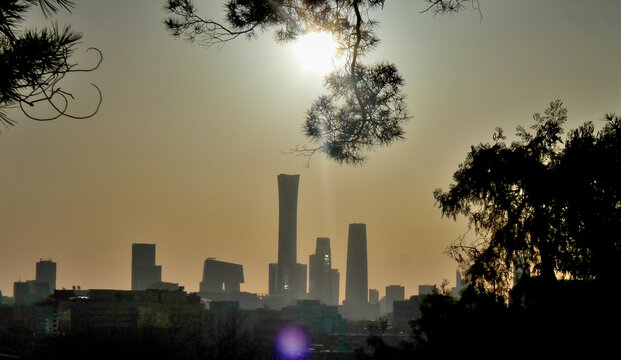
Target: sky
(188, 142)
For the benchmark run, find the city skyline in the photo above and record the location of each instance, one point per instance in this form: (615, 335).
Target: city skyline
(226, 277)
(185, 147)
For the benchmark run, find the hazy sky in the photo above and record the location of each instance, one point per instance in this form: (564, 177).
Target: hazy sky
(185, 150)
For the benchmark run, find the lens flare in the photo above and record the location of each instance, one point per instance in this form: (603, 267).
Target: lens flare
(292, 343)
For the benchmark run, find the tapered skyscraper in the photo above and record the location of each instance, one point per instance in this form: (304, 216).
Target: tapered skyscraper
(356, 282)
(287, 277)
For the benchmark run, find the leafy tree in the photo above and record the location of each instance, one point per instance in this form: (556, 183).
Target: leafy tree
(556, 207)
(365, 105)
(33, 62)
(590, 206)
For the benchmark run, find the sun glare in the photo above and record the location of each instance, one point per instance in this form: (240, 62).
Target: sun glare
(316, 51)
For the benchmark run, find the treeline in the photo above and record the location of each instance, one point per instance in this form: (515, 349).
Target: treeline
(562, 319)
(217, 338)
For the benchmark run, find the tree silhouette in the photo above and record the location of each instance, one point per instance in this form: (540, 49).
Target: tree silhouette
(553, 207)
(589, 200)
(365, 106)
(34, 62)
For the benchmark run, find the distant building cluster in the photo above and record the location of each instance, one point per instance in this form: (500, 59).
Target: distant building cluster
(30, 291)
(300, 294)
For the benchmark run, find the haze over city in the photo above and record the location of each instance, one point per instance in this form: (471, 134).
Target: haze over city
(185, 149)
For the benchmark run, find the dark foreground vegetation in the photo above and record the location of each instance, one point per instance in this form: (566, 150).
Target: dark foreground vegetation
(185, 338)
(543, 259)
(562, 319)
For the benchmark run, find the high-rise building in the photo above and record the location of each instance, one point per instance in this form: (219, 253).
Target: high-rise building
(393, 293)
(336, 286)
(46, 273)
(300, 286)
(287, 277)
(220, 276)
(460, 285)
(373, 296)
(426, 289)
(357, 282)
(287, 218)
(321, 275)
(21, 293)
(144, 270)
(30, 291)
(273, 271)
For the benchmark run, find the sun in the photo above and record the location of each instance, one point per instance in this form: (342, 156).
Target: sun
(316, 51)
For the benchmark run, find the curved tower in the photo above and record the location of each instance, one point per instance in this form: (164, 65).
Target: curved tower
(287, 277)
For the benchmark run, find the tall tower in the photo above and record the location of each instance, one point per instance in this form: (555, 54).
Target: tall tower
(144, 270)
(357, 282)
(287, 218)
(287, 277)
(46, 273)
(321, 275)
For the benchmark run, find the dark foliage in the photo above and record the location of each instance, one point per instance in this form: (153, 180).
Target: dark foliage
(561, 319)
(354, 120)
(365, 107)
(558, 320)
(227, 337)
(33, 62)
(551, 205)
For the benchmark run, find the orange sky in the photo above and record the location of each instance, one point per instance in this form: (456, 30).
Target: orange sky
(185, 150)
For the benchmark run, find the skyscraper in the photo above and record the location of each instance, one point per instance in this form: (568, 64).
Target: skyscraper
(357, 282)
(287, 218)
(287, 277)
(321, 275)
(46, 273)
(21, 293)
(336, 283)
(373, 296)
(144, 270)
(220, 276)
(460, 285)
(393, 293)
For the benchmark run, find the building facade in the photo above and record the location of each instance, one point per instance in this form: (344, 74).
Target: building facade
(321, 275)
(357, 283)
(393, 293)
(46, 272)
(220, 276)
(144, 270)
